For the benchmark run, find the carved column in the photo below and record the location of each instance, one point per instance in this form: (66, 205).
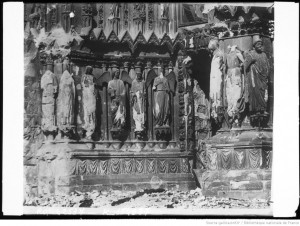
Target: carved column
(104, 118)
(181, 105)
(169, 68)
(109, 121)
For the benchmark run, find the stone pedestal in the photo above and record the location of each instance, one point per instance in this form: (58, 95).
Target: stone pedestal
(236, 164)
(65, 167)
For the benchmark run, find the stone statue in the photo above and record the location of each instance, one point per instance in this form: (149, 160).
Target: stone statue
(116, 90)
(233, 81)
(89, 102)
(257, 77)
(49, 88)
(66, 102)
(161, 105)
(216, 78)
(114, 11)
(138, 100)
(164, 10)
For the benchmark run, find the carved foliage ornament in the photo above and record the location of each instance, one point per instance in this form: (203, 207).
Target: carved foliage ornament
(126, 14)
(151, 15)
(100, 15)
(139, 11)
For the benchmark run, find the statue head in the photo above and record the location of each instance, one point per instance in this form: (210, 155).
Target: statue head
(257, 44)
(116, 74)
(139, 76)
(88, 70)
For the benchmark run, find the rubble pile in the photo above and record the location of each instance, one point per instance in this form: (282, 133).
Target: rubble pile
(152, 198)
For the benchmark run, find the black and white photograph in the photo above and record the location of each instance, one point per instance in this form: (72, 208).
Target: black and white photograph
(150, 108)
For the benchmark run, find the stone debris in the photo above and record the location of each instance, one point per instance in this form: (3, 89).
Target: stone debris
(149, 198)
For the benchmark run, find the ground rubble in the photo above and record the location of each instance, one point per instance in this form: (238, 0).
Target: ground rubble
(148, 198)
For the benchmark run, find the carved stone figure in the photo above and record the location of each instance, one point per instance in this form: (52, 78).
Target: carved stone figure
(114, 11)
(257, 75)
(116, 90)
(138, 100)
(216, 77)
(161, 101)
(66, 102)
(115, 16)
(139, 16)
(88, 101)
(49, 88)
(164, 10)
(233, 80)
(201, 105)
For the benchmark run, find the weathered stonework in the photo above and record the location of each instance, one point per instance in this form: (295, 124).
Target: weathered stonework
(237, 164)
(111, 146)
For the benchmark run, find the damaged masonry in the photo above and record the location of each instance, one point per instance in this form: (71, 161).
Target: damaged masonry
(148, 105)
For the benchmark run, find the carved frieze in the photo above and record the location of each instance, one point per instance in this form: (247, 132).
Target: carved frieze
(131, 166)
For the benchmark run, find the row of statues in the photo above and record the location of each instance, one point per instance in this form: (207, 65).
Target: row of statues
(58, 102)
(237, 79)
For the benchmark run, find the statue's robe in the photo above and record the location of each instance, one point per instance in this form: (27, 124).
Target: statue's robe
(233, 81)
(116, 89)
(49, 86)
(257, 75)
(138, 104)
(66, 101)
(215, 93)
(89, 104)
(161, 101)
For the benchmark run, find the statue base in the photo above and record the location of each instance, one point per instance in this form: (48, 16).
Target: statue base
(237, 164)
(63, 167)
